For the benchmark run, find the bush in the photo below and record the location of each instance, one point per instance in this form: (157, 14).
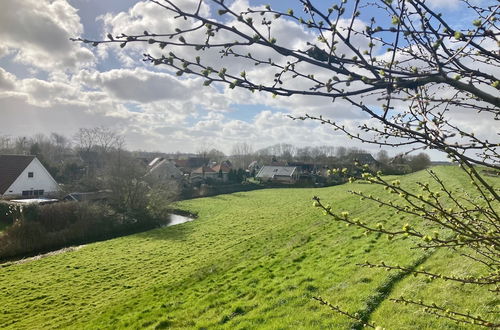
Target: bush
(6, 216)
(46, 227)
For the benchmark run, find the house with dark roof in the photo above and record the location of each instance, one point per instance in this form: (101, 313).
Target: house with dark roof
(281, 174)
(190, 164)
(362, 158)
(25, 176)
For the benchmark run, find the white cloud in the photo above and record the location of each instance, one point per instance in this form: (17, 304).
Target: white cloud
(136, 85)
(39, 31)
(153, 108)
(7, 80)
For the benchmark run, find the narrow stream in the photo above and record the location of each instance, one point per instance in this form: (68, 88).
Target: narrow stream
(176, 219)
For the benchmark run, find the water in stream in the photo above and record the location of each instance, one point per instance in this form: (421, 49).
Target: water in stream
(176, 219)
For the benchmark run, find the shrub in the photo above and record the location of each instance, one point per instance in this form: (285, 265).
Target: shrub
(41, 228)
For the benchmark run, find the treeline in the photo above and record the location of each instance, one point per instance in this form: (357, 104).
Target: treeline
(84, 161)
(243, 154)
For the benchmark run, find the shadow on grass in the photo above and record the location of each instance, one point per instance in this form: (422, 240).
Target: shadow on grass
(383, 291)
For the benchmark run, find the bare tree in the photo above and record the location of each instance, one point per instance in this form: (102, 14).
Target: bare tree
(216, 155)
(242, 154)
(412, 70)
(100, 139)
(5, 143)
(94, 144)
(203, 152)
(383, 157)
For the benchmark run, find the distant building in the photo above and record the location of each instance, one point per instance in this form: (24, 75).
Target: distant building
(304, 167)
(190, 164)
(362, 158)
(25, 176)
(203, 172)
(218, 172)
(281, 174)
(222, 170)
(253, 165)
(162, 169)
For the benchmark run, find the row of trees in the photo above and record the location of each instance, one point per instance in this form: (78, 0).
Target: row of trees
(86, 154)
(243, 154)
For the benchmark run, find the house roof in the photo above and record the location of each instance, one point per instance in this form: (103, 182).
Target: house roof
(221, 167)
(203, 169)
(253, 164)
(192, 162)
(363, 158)
(273, 171)
(11, 167)
(155, 161)
(276, 163)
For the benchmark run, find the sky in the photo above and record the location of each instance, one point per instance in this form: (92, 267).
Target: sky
(50, 84)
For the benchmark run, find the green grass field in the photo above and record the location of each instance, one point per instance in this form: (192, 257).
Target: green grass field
(251, 260)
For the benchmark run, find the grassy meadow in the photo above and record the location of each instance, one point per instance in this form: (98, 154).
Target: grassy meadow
(250, 260)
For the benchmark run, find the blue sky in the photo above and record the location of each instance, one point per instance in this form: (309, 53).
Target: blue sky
(67, 85)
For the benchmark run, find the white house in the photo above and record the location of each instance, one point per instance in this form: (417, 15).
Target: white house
(25, 176)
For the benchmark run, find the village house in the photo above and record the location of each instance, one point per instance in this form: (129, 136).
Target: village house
(279, 174)
(222, 170)
(25, 176)
(362, 158)
(218, 172)
(202, 173)
(188, 165)
(161, 169)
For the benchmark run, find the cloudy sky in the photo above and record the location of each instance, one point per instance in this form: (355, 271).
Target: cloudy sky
(50, 84)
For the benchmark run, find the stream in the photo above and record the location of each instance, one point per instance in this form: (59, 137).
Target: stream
(175, 219)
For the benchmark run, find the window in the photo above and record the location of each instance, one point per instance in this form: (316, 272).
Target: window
(27, 192)
(30, 174)
(38, 192)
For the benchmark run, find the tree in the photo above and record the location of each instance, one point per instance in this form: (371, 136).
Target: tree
(203, 152)
(420, 161)
(383, 157)
(125, 178)
(5, 143)
(417, 74)
(100, 139)
(93, 144)
(242, 154)
(216, 155)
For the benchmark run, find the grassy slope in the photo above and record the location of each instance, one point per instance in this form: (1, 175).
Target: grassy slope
(251, 259)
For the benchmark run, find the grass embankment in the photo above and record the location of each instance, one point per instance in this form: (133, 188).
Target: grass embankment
(250, 260)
